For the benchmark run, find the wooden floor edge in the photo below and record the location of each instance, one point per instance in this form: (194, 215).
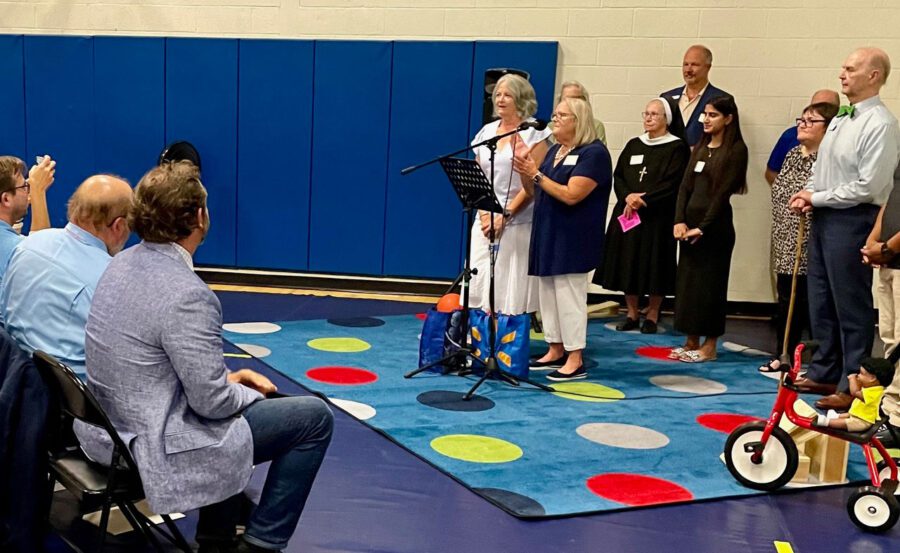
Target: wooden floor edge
(323, 293)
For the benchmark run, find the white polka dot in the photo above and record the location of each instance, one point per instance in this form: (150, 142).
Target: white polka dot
(626, 436)
(688, 384)
(252, 328)
(255, 351)
(752, 351)
(772, 375)
(731, 346)
(358, 410)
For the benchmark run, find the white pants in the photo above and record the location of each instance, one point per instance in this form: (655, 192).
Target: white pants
(564, 309)
(888, 296)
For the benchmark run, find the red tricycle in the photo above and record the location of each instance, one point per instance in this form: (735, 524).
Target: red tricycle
(762, 456)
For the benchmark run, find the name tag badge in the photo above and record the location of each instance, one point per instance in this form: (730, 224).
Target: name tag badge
(701, 118)
(699, 167)
(570, 160)
(637, 160)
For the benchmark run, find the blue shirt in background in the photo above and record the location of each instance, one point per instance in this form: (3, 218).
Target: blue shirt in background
(9, 239)
(787, 142)
(47, 290)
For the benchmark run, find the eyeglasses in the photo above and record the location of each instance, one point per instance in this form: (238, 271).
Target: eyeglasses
(26, 187)
(650, 115)
(557, 116)
(801, 122)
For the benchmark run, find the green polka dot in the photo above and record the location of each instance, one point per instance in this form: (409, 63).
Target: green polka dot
(339, 345)
(588, 391)
(536, 335)
(476, 449)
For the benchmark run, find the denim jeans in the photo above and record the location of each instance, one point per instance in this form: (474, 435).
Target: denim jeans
(293, 433)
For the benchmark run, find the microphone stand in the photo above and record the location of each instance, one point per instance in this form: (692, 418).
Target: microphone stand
(491, 367)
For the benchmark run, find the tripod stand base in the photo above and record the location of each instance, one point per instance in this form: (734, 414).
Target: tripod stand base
(491, 369)
(457, 361)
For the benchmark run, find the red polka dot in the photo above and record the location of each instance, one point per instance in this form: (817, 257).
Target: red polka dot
(636, 489)
(724, 422)
(656, 352)
(342, 376)
(421, 316)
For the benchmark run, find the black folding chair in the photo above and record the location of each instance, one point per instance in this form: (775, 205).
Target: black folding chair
(94, 485)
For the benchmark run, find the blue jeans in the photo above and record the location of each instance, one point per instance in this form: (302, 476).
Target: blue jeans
(293, 433)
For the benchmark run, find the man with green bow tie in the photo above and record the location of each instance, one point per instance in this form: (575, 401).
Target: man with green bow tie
(852, 179)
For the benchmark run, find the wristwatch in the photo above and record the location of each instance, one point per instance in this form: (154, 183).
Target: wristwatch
(886, 251)
(537, 178)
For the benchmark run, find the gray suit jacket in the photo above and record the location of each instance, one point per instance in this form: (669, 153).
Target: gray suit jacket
(153, 344)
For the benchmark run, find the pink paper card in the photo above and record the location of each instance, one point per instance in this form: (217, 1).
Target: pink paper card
(628, 223)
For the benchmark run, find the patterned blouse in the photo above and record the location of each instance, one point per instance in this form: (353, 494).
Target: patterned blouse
(794, 175)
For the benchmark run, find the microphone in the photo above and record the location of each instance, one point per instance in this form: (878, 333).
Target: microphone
(536, 124)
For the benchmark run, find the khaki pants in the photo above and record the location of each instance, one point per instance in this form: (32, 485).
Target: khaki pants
(888, 295)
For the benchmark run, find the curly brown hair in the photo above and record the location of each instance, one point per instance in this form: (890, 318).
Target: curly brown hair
(166, 202)
(10, 168)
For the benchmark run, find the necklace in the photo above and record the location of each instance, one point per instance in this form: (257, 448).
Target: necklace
(709, 151)
(561, 153)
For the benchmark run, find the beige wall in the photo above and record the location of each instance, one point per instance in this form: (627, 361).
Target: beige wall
(771, 54)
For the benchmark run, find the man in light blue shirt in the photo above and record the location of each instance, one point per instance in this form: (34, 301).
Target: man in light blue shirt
(15, 194)
(852, 178)
(46, 292)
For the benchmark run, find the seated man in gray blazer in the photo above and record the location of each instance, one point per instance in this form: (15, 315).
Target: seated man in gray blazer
(155, 364)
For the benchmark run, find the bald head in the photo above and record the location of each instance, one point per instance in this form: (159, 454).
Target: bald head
(826, 96)
(877, 60)
(98, 200)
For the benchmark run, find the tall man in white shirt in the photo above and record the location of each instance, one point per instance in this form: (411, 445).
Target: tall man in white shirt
(852, 178)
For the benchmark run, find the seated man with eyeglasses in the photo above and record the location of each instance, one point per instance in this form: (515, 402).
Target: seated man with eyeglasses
(46, 292)
(16, 193)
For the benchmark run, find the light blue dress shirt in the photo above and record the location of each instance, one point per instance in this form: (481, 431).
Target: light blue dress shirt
(46, 293)
(857, 158)
(9, 239)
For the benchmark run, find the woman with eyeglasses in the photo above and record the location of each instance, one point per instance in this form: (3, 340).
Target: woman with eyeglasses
(703, 223)
(640, 261)
(795, 173)
(571, 195)
(514, 291)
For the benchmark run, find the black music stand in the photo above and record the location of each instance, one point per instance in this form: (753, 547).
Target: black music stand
(475, 192)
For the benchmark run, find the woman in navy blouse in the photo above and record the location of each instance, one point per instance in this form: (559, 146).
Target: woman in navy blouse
(571, 196)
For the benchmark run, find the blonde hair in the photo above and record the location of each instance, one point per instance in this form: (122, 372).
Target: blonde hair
(585, 132)
(582, 91)
(521, 90)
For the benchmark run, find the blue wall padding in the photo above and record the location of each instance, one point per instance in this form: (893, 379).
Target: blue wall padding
(130, 95)
(12, 96)
(302, 142)
(537, 58)
(59, 111)
(275, 121)
(201, 107)
(351, 97)
(430, 94)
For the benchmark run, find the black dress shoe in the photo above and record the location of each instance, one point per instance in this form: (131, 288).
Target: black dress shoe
(886, 437)
(649, 327)
(628, 324)
(536, 365)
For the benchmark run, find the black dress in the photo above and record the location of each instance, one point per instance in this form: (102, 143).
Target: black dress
(701, 289)
(642, 260)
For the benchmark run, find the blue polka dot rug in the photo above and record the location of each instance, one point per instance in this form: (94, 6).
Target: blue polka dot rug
(641, 430)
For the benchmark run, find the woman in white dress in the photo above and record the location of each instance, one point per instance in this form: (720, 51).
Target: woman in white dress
(515, 291)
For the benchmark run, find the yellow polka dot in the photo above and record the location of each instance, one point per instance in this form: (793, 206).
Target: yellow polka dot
(476, 449)
(339, 345)
(587, 391)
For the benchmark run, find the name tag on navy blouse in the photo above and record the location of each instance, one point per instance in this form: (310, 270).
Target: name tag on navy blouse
(570, 160)
(637, 160)
(699, 167)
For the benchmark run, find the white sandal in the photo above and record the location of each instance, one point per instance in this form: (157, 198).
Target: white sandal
(694, 356)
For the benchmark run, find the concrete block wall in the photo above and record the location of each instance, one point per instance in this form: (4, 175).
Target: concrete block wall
(771, 54)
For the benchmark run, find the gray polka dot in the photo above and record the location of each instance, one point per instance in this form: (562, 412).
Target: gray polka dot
(625, 436)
